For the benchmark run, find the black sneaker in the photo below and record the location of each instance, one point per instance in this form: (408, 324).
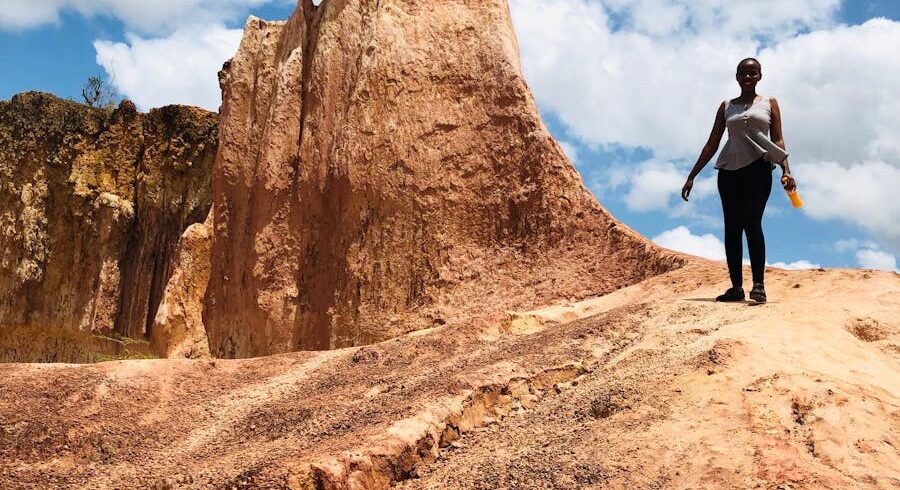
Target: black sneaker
(733, 294)
(758, 293)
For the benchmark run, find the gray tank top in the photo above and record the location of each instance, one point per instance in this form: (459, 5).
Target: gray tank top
(748, 135)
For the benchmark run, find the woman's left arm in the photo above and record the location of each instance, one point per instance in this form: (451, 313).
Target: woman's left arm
(778, 139)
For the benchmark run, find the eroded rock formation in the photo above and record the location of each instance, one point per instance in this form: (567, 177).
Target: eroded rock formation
(92, 203)
(643, 388)
(382, 168)
(178, 330)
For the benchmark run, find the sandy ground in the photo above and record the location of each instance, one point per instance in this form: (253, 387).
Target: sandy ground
(653, 386)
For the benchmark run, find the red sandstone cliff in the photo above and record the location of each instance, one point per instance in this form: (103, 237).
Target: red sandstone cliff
(92, 204)
(382, 168)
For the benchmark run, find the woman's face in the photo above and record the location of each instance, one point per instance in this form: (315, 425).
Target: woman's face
(748, 74)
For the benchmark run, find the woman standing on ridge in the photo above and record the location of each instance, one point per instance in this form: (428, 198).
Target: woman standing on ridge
(745, 174)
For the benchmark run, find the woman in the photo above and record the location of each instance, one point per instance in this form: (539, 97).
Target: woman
(745, 174)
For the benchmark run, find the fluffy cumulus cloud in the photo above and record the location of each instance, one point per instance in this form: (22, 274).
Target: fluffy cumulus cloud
(173, 48)
(655, 184)
(142, 68)
(839, 92)
(620, 87)
(711, 247)
(652, 186)
(862, 193)
(682, 240)
(877, 259)
(868, 254)
(141, 15)
(651, 73)
(646, 73)
(22, 14)
(800, 264)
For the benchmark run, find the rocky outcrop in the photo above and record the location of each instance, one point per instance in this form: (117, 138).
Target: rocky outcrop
(382, 168)
(178, 330)
(92, 203)
(647, 387)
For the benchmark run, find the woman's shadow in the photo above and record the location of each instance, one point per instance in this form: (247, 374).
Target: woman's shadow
(745, 302)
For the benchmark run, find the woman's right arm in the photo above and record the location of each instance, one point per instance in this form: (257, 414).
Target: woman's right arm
(709, 149)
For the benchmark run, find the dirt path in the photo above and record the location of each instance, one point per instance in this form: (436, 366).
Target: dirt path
(800, 394)
(653, 386)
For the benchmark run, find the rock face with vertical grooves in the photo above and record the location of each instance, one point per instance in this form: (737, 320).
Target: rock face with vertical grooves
(92, 204)
(178, 330)
(383, 168)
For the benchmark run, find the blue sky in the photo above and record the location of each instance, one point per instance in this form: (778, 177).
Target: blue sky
(628, 87)
(58, 56)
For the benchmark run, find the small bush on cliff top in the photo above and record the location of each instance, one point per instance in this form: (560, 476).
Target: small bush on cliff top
(96, 92)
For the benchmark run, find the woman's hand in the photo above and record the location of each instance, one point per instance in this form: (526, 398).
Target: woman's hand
(787, 181)
(686, 190)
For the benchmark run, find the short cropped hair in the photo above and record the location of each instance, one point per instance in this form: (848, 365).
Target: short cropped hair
(749, 59)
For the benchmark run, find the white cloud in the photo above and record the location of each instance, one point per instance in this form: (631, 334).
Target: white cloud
(21, 14)
(173, 48)
(848, 115)
(656, 186)
(711, 247)
(800, 264)
(773, 210)
(654, 17)
(854, 244)
(650, 73)
(868, 254)
(142, 15)
(622, 87)
(864, 194)
(570, 150)
(631, 86)
(876, 259)
(722, 17)
(682, 240)
(143, 69)
(652, 186)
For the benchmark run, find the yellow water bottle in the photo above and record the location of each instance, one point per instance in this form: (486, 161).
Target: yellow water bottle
(793, 195)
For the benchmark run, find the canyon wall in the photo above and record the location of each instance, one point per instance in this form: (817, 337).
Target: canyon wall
(383, 168)
(92, 204)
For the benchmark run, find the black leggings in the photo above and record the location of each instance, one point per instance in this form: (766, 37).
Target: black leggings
(744, 194)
